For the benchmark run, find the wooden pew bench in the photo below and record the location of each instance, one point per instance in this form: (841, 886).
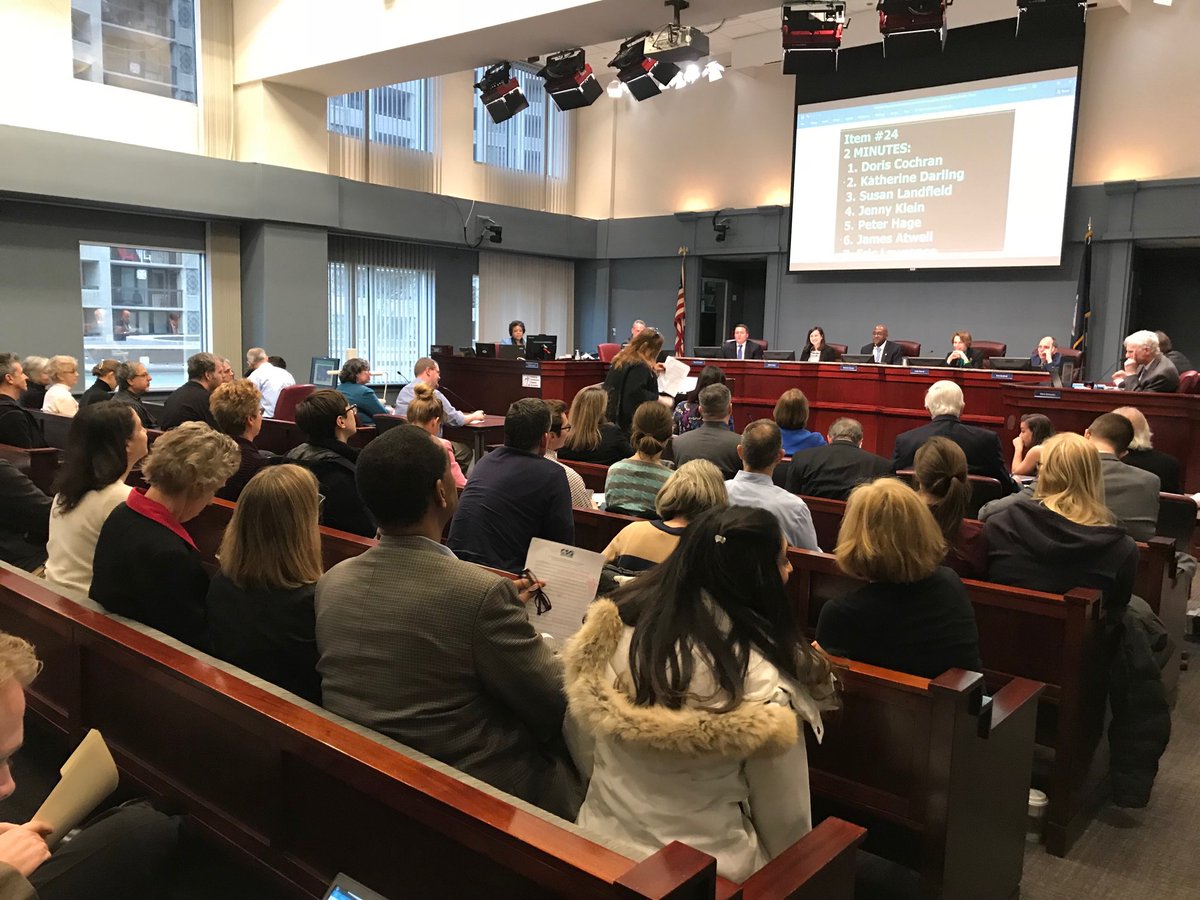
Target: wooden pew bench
(39, 465)
(302, 794)
(1052, 638)
(938, 774)
(279, 436)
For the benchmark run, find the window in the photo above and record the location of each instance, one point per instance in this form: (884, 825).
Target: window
(145, 305)
(142, 45)
(396, 114)
(381, 303)
(533, 140)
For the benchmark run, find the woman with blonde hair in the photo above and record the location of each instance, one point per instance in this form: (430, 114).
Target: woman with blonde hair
(260, 605)
(593, 439)
(913, 615)
(425, 411)
(693, 488)
(633, 378)
(941, 480)
(63, 372)
(1063, 537)
(105, 383)
(632, 484)
(147, 566)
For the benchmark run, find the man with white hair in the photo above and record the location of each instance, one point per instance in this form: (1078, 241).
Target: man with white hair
(944, 401)
(636, 328)
(269, 379)
(1151, 371)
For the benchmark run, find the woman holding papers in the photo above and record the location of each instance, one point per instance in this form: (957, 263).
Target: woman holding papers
(695, 681)
(633, 378)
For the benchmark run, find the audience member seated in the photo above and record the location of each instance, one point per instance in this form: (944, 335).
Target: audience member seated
(260, 605)
(815, 349)
(760, 450)
(105, 442)
(1064, 537)
(267, 377)
(237, 409)
(692, 489)
(327, 420)
(687, 411)
(712, 440)
(123, 853)
(18, 427)
(633, 378)
(632, 484)
(594, 439)
(1146, 368)
(962, 355)
(1027, 445)
(428, 371)
(881, 349)
(189, 401)
(516, 335)
(225, 373)
(425, 411)
(26, 520)
(834, 470)
(440, 654)
(944, 401)
(1178, 360)
(34, 393)
(1130, 493)
(106, 382)
(1046, 356)
(693, 685)
(63, 372)
(791, 415)
(741, 347)
(147, 566)
(560, 430)
(1141, 453)
(352, 381)
(940, 476)
(133, 381)
(914, 615)
(514, 494)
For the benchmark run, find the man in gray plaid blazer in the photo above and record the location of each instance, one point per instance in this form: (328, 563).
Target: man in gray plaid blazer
(438, 653)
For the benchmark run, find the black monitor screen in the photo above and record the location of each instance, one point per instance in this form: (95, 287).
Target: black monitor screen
(318, 373)
(541, 346)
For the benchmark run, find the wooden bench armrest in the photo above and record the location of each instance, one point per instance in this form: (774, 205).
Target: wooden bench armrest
(675, 871)
(819, 865)
(1007, 701)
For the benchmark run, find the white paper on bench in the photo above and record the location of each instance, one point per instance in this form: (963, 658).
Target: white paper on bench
(675, 374)
(572, 576)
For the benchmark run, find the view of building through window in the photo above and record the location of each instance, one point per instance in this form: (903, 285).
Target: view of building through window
(144, 305)
(396, 114)
(143, 45)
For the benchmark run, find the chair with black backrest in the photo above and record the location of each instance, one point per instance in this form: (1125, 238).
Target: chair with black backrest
(990, 349)
(1177, 519)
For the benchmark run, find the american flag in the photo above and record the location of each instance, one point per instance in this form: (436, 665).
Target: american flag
(680, 314)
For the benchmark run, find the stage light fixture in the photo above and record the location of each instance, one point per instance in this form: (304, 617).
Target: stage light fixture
(907, 18)
(644, 76)
(812, 32)
(501, 93)
(1052, 16)
(570, 80)
(714, 71)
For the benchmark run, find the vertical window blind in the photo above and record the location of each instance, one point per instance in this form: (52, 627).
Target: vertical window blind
(537, 290)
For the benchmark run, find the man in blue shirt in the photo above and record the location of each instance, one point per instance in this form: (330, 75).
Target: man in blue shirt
(427, 370)
(1046, 356)
(513, 495)
(761, 450)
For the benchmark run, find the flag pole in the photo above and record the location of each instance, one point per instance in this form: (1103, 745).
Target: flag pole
(681, 304)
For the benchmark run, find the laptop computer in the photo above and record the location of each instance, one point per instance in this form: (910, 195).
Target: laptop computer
(485, 349)
(345, 888)
(508, 351)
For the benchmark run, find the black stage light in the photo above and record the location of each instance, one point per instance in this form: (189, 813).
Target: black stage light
(913, 17)
(501, 93)
(812, 33)
(570, 80)
(1044, 17)
(644, 76)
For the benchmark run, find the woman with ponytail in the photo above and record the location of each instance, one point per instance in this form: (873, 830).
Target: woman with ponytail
(632, 484)
(940, 472)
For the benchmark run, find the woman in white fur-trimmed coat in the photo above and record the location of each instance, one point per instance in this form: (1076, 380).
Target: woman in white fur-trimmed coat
(688, 691)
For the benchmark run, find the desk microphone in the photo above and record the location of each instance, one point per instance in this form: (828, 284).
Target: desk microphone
(453, 396)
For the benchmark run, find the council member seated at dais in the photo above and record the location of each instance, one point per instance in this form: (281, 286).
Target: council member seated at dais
(815, 349)
(881, 350)
(962, 354)
(741, 347)
(1046, 356)
(1146, 368)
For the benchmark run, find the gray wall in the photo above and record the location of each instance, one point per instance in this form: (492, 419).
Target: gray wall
(41, 312)
(453, 271)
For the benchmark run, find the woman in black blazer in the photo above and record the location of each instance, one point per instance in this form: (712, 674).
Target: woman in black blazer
(633, 378)
(816, 345)
(963, 356)
(591, 438)
(106, 382)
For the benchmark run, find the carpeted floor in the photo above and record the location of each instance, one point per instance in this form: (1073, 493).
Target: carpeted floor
(1148, 853)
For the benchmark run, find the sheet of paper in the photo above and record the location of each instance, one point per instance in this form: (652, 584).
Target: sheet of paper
(88, 777)
(673, 376)
(572, 576)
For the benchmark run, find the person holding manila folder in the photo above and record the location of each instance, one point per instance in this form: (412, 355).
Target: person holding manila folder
(741, 347)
